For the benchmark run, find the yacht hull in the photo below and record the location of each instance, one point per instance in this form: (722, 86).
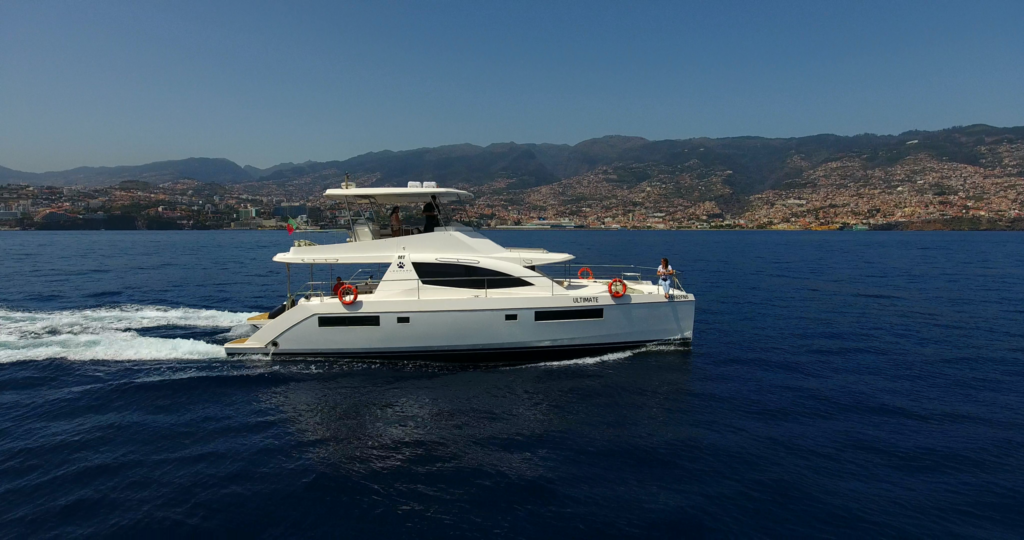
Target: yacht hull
(478, 356)
(476, 329)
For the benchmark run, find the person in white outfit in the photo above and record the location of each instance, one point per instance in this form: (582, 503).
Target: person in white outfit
(664, 271)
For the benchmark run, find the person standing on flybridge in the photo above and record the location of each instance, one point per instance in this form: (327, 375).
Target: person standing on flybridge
(430, 220)
(396, 221)
(664, 271)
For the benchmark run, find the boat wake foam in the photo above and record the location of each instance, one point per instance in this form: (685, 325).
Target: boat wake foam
(609, 357)
(109, 333)
(239, 331)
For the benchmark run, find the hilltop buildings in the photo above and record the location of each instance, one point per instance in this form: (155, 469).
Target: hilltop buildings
(843, 193)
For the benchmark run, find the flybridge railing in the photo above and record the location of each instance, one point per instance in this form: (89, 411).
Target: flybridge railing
(605, 272)
(313, 289)
(487, 285)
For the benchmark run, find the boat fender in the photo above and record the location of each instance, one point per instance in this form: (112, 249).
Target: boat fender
(617, 288)
(590, 275)
(277, 311)
(348, 294)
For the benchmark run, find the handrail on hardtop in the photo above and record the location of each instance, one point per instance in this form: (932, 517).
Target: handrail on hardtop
(610, 271)
(563, 284)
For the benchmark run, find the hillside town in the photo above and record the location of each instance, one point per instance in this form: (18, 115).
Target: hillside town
(843, 194)
(182, 204)
(918, 188)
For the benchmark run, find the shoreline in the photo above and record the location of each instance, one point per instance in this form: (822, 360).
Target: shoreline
(894, 229)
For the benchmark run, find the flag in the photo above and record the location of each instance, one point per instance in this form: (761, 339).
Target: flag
(291, 225)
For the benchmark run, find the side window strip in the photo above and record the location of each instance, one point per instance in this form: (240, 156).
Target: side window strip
(569, 315)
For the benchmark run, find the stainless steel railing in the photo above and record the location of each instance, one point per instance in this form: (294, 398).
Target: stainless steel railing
(563, 286)
(625, 272)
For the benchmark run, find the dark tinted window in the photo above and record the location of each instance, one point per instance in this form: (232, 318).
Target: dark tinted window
(511, 317)
(569, 314)
(403, 320)
(465, 276)
(348, 320)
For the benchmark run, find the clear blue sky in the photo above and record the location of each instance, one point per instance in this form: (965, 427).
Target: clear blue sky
(112, 83)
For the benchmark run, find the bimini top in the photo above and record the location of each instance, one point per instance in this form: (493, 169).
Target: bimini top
(397, 195)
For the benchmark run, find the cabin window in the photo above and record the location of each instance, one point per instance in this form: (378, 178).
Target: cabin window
(335, 321)
(568, 315)
(511, 317)
(465, 277)
(403, 320)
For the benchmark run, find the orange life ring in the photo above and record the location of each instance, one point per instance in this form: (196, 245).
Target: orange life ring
(617, 288)
(347, 290)
(587, 270)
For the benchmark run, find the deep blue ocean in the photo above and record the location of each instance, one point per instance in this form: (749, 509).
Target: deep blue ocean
(845, 384)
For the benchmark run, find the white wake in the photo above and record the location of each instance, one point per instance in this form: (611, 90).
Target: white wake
(607, 357)
(586, 360)
(109, 333)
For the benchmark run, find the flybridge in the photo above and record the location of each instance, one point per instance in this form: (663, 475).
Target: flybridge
(369, 219)
(371, 238)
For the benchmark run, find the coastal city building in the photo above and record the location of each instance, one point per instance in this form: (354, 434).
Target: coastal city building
(851, 193)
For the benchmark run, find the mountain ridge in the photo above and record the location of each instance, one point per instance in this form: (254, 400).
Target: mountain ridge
(214, 170)
(755, 164)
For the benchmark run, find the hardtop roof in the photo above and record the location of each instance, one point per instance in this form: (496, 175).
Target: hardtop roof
(397, 195)
(442, 243)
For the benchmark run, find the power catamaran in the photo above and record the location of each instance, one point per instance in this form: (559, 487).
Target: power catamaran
(453, 294)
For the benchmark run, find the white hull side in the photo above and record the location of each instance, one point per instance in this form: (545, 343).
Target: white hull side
(436, 327)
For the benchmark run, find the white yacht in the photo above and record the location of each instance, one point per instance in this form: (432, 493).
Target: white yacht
(453, 294)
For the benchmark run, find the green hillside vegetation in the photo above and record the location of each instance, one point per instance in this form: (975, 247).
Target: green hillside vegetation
(756, 163)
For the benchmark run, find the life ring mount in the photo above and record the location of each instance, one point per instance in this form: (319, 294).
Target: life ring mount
(348, 294)
(617, 288)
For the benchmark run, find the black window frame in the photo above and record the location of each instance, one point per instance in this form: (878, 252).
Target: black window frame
(347, 321)
(465, 276)
(576, 314)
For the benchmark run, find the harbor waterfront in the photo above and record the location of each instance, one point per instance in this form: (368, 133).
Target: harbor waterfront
(839, 384)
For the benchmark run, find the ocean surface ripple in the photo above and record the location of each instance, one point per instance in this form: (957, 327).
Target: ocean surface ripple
(840, 384)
